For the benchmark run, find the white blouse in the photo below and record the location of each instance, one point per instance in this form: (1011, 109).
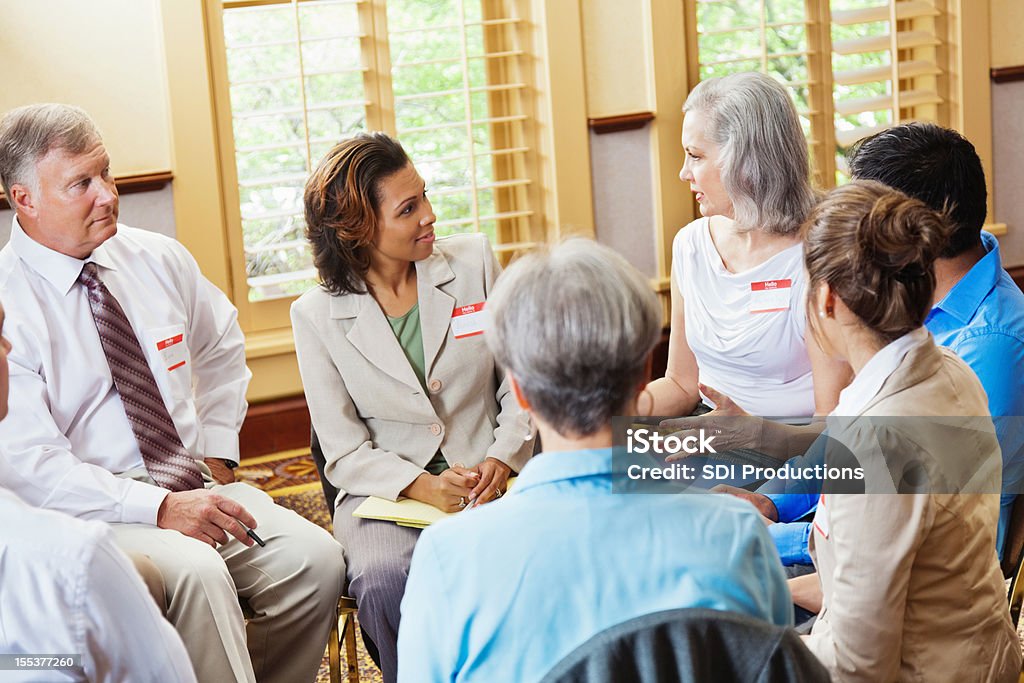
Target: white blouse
(746, 329)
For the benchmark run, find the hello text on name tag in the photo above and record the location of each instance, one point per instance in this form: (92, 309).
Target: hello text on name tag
(468, 321)
(770, 295)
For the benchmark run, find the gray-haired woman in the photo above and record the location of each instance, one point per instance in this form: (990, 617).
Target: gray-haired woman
(738, 319)
(573, 329)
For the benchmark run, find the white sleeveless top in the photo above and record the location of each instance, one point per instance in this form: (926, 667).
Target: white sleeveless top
(746, 329)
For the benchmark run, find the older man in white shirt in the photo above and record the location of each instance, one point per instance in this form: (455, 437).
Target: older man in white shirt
(129, 378)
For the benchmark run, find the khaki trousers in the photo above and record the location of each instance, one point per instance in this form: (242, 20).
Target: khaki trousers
(291, 587)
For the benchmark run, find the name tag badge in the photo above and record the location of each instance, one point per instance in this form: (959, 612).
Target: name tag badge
(821, 517)
(173, 351)
(770, 296)
(468, 321)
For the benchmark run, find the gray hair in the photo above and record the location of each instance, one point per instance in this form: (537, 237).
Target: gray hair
(763, 152)
(28, 133)
(574, 325)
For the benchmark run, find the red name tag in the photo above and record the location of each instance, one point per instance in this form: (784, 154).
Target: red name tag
(173, 351)
(770, 295)
(468, 321)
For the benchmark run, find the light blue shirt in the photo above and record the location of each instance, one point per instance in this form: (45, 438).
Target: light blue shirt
(981, 319)
(505, 591)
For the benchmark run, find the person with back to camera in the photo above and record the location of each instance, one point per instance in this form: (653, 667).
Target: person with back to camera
(564, 555)
(405, 398)
(910, 586)
(738, 323)
(978, 310)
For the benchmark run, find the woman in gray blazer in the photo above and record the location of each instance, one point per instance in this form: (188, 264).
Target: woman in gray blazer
(908, 585)
(404, 395)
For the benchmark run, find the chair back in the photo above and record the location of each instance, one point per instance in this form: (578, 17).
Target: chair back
(1013, 544)
(1016, 592)
(698, 645)
(330, 492)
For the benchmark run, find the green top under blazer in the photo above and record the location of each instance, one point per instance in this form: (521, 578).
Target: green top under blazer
(378, 426)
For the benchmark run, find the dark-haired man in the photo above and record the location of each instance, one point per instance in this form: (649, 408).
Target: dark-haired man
(978, 311)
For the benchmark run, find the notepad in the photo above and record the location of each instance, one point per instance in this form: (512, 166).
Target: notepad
(404, 512)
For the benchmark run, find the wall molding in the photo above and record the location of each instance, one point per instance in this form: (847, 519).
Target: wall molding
(615, 124)
(126, 184)
(1007, 74)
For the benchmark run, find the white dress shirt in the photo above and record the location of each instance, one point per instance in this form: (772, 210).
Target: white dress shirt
(68, 590)
(67, 443)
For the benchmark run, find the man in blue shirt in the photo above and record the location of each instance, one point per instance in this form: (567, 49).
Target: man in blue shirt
(978, 310)
(503, 592)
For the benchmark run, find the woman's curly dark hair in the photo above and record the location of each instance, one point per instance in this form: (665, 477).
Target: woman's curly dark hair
(341, 199)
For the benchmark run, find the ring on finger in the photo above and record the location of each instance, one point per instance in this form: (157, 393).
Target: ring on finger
(462, 501)
(497, 493)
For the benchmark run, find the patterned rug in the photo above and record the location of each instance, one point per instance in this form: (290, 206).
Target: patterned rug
(290, 477)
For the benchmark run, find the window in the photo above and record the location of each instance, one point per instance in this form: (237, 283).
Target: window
(448, 78)
(837, 58)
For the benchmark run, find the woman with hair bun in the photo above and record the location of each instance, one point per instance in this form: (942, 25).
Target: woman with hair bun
(908, 585)
(404, 395)
(738, 320)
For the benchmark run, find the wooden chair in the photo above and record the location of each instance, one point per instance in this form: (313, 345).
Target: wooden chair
(344, 628)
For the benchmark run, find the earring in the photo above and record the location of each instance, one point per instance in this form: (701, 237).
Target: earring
(821, 314)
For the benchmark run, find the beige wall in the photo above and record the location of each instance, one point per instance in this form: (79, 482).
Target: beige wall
(1007, 20)
(615, 48)
(1008, 168)
(1007, 17)
(635, 61)
(103, 55)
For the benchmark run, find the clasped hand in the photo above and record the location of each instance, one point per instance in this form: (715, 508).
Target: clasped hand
(459, 487)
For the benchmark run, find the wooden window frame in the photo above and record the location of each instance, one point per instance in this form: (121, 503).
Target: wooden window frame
(964, 86)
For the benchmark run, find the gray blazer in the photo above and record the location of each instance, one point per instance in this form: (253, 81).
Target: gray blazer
(377, 426)
(912, 589)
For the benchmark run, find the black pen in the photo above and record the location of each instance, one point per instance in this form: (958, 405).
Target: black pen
(252, 534)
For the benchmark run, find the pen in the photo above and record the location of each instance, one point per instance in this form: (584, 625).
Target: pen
(252, 534)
